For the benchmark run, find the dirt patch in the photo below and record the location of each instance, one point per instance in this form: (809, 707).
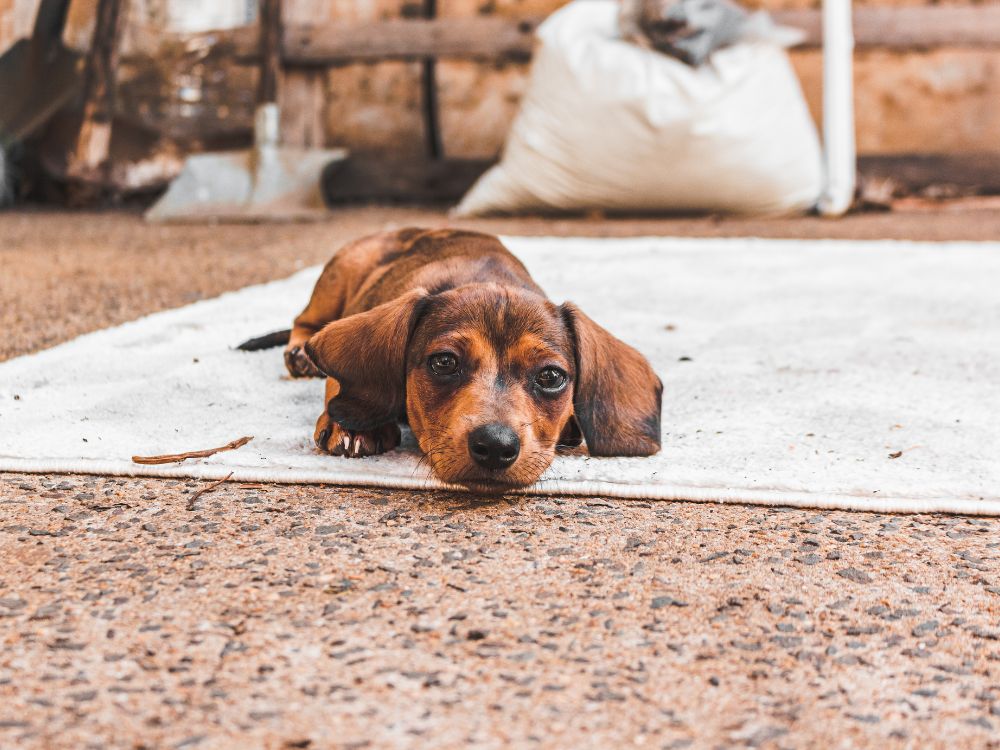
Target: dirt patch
(65, 274)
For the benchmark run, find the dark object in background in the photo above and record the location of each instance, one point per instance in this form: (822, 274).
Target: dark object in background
(37, 75)
(5, 192)
(376, 177)
(689, 30)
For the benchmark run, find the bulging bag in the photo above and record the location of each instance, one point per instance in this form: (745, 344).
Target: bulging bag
(607, 125)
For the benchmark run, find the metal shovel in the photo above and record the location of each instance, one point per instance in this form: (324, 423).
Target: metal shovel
(269, 182)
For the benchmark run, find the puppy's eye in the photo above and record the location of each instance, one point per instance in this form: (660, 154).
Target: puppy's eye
(551, 379)
(443, 364)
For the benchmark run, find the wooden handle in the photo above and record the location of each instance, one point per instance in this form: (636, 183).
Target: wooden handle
(93, 143)
(270, 51)
(50, 21)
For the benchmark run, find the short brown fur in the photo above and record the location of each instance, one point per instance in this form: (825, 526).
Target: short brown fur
(391, 312)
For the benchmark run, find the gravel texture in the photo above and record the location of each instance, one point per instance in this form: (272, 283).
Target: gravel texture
(321, 617)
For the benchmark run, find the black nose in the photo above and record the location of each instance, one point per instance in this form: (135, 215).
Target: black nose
(494, 446)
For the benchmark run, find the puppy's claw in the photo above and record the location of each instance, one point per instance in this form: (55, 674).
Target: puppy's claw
(322, 438)
(331, 438)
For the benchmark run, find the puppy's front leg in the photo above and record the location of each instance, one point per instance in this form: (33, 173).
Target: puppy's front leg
(333, 438)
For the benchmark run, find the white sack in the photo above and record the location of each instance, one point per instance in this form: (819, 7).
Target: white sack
(611, 126)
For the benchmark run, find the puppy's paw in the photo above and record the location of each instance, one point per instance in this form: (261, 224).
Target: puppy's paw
(331, 438)
(298, 363)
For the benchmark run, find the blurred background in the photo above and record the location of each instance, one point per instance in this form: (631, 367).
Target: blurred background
(422, 93)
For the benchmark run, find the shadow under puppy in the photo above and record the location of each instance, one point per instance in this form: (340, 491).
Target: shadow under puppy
(446, 331)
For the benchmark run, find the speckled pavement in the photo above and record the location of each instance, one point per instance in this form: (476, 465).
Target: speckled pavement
(317, 617)
(136, 615)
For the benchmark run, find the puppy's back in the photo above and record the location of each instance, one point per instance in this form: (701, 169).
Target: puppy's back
(437, 260)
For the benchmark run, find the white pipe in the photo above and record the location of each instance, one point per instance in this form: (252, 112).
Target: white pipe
(839, 158)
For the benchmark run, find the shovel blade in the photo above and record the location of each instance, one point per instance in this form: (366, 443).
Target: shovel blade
(268, 184)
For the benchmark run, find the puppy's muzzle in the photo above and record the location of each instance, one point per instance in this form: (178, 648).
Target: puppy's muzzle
(494, 446)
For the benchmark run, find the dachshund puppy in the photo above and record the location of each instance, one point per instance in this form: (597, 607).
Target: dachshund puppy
(446, 331)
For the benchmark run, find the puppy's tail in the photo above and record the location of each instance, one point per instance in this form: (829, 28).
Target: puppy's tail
(269, 341)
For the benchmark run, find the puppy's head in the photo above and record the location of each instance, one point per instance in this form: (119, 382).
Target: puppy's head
(491, 379)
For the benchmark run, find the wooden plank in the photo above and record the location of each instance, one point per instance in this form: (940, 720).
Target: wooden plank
(270, 51)
(498, 39)
(483, 38)
(302, 93)
(89, 161)
(494, 38)
(429, 93)
(302, 97)
(908, 27)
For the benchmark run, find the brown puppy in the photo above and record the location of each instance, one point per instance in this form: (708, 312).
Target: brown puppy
(447, 331)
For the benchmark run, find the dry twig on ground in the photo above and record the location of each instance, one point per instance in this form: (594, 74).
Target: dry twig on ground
(203, 490)
(176, 458)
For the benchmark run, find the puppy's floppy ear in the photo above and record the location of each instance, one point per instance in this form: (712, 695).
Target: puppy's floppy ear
(366, 354)
(617, 395)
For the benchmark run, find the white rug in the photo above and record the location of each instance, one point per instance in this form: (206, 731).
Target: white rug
(793, 371)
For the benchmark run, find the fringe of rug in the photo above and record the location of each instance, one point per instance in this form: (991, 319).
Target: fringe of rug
(554, 487)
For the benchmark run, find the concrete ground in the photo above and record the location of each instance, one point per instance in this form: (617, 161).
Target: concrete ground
(133, 615)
